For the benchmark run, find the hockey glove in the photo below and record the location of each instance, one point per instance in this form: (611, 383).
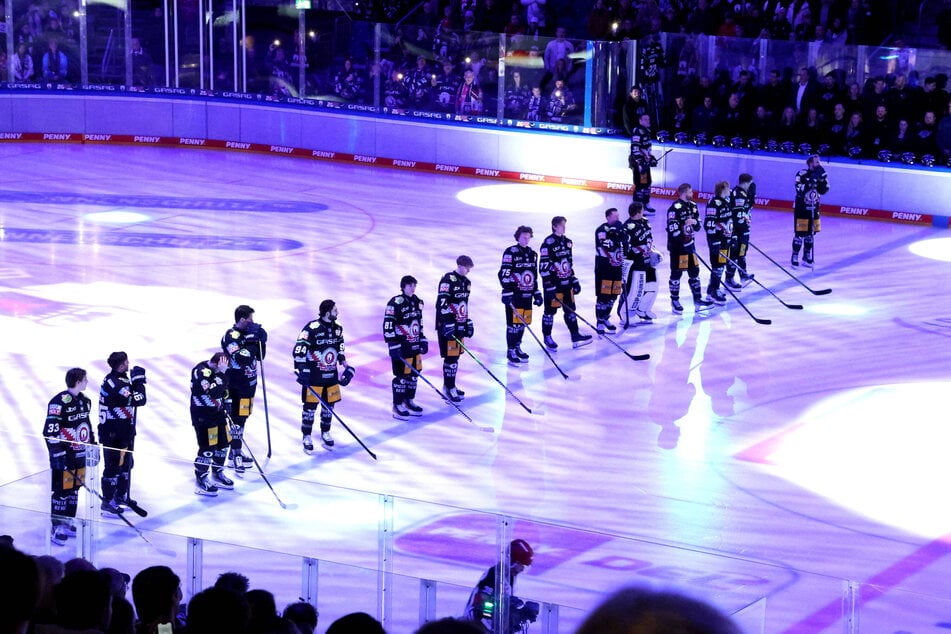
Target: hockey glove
(538, 299)
(470, 328)
(575, 285)
(396, 352)
(652, 161)
(449, 329)
(92, 455)
(58, 461)
(751, 190)
(138, 374)
(507, 298)
(423, 346)
(303, 377)
(347, 375)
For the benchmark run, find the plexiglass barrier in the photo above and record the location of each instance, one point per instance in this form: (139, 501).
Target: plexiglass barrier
(319, 58)
(407, 561)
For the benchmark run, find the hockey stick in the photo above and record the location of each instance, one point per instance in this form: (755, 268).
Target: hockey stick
(758, 320)
(444, 397)
(539, 342)
(267, 419)
(324, 404)
(742, 270)
(163, 551)
(635, 357)
(260, 470)
(497, 380)
(129, 502)
(821, 291)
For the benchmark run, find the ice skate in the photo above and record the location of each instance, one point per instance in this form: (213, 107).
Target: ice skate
(326, 439)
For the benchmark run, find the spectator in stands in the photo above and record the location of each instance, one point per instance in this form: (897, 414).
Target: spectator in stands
(634, 106)
(156, 593)
(468, 99)
(303, 615)
(853, 100)
(835, 128)
(395, 97)
(805, 92)
(943, 135)
(762, 127)
(262, 611)
(83, 603)
(599, 21)
(925, 133)
(642, 611)
(854, 136)
(18, 589)
(557, 49)
(829, 95)
(903, 140)
(788, 127)
(142, 75)
(445, 86)
(22, 64)
(534, 15)
(216, 611)
(773, 95)
(678, 116)
(902, 99)
(356, 623)
(561, 102)
(123, 616)
(706, 117)
(516, 97)
(55, 65)
(810, 128)
(879, 130)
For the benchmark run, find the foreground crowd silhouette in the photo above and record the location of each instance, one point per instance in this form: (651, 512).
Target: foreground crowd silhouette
(43, 595)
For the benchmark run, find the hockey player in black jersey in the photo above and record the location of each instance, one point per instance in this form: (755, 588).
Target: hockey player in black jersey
(246, 345)
(683, 221)
(811, 184)
(72, 446)
(556, 267)
(641, 161)
(638, 271)
(741, 207)
(121, 393)
(607, 268)
(207, 409)
(718, 225)
(518, 276)
(403, 332)
(318, 355)
(453, 322)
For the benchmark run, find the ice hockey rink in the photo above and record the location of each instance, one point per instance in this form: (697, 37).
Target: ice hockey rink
(789, 473)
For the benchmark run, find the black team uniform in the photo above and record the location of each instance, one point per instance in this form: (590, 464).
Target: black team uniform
(403, 332)
(609, 257)
(518, 276)
(638, 271)
(207, 408)
(119, 397)
(560, 284)
(741, 206)
(68, 433)
(718, 225)
(812, 183)
(318, 352)
(452, 322)
(683, 254)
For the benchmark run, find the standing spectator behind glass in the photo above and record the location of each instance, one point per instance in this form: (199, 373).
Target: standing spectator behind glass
(395, 96)
(347, 81)
(469, 95)
(561, 102)
(943, 136)
(55, 65)
(418, 82)
(445, 85)
(557, 49)
(706, 117)
(142, 76)
(516, 97)
(535, 108)
(22, 64)
(535, 13)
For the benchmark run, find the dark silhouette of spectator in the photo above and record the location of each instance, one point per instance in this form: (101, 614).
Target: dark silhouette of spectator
(516, 97)
(943, 135)
(854, 136)
(873, 96)
(879, 130)
(903, 139)
(55, 65)
(706, 117)
(853, 100)
(762, 126)
(234, 581)
(262, 611)
(734, 120)
(123, 616)
(217, 611)
(18, 589)
(805, 92)
(925, 133)
(356, 623)
(303, 615)
(643, 611)
(599, 21)
(50, 571)
(703, 19)
(829, 95)
(83, 603)
(773, 95)
(788, 127)
(450, 625)
(810, 128)
(678, 116)
(834, 135)
(634, 107)
(156, 593)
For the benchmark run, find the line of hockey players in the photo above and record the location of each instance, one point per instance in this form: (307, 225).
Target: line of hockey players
(223, 388)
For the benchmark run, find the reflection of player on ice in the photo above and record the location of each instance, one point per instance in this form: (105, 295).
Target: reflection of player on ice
(638, 271)
(317, 354)
(811, 184)
(71, 445)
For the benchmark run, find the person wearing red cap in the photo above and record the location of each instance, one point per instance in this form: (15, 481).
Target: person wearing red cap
(481, 605)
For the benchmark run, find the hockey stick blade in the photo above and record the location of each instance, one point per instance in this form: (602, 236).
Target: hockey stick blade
(759, 320)
(135, 508)
(639, 357)
(821, 291)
